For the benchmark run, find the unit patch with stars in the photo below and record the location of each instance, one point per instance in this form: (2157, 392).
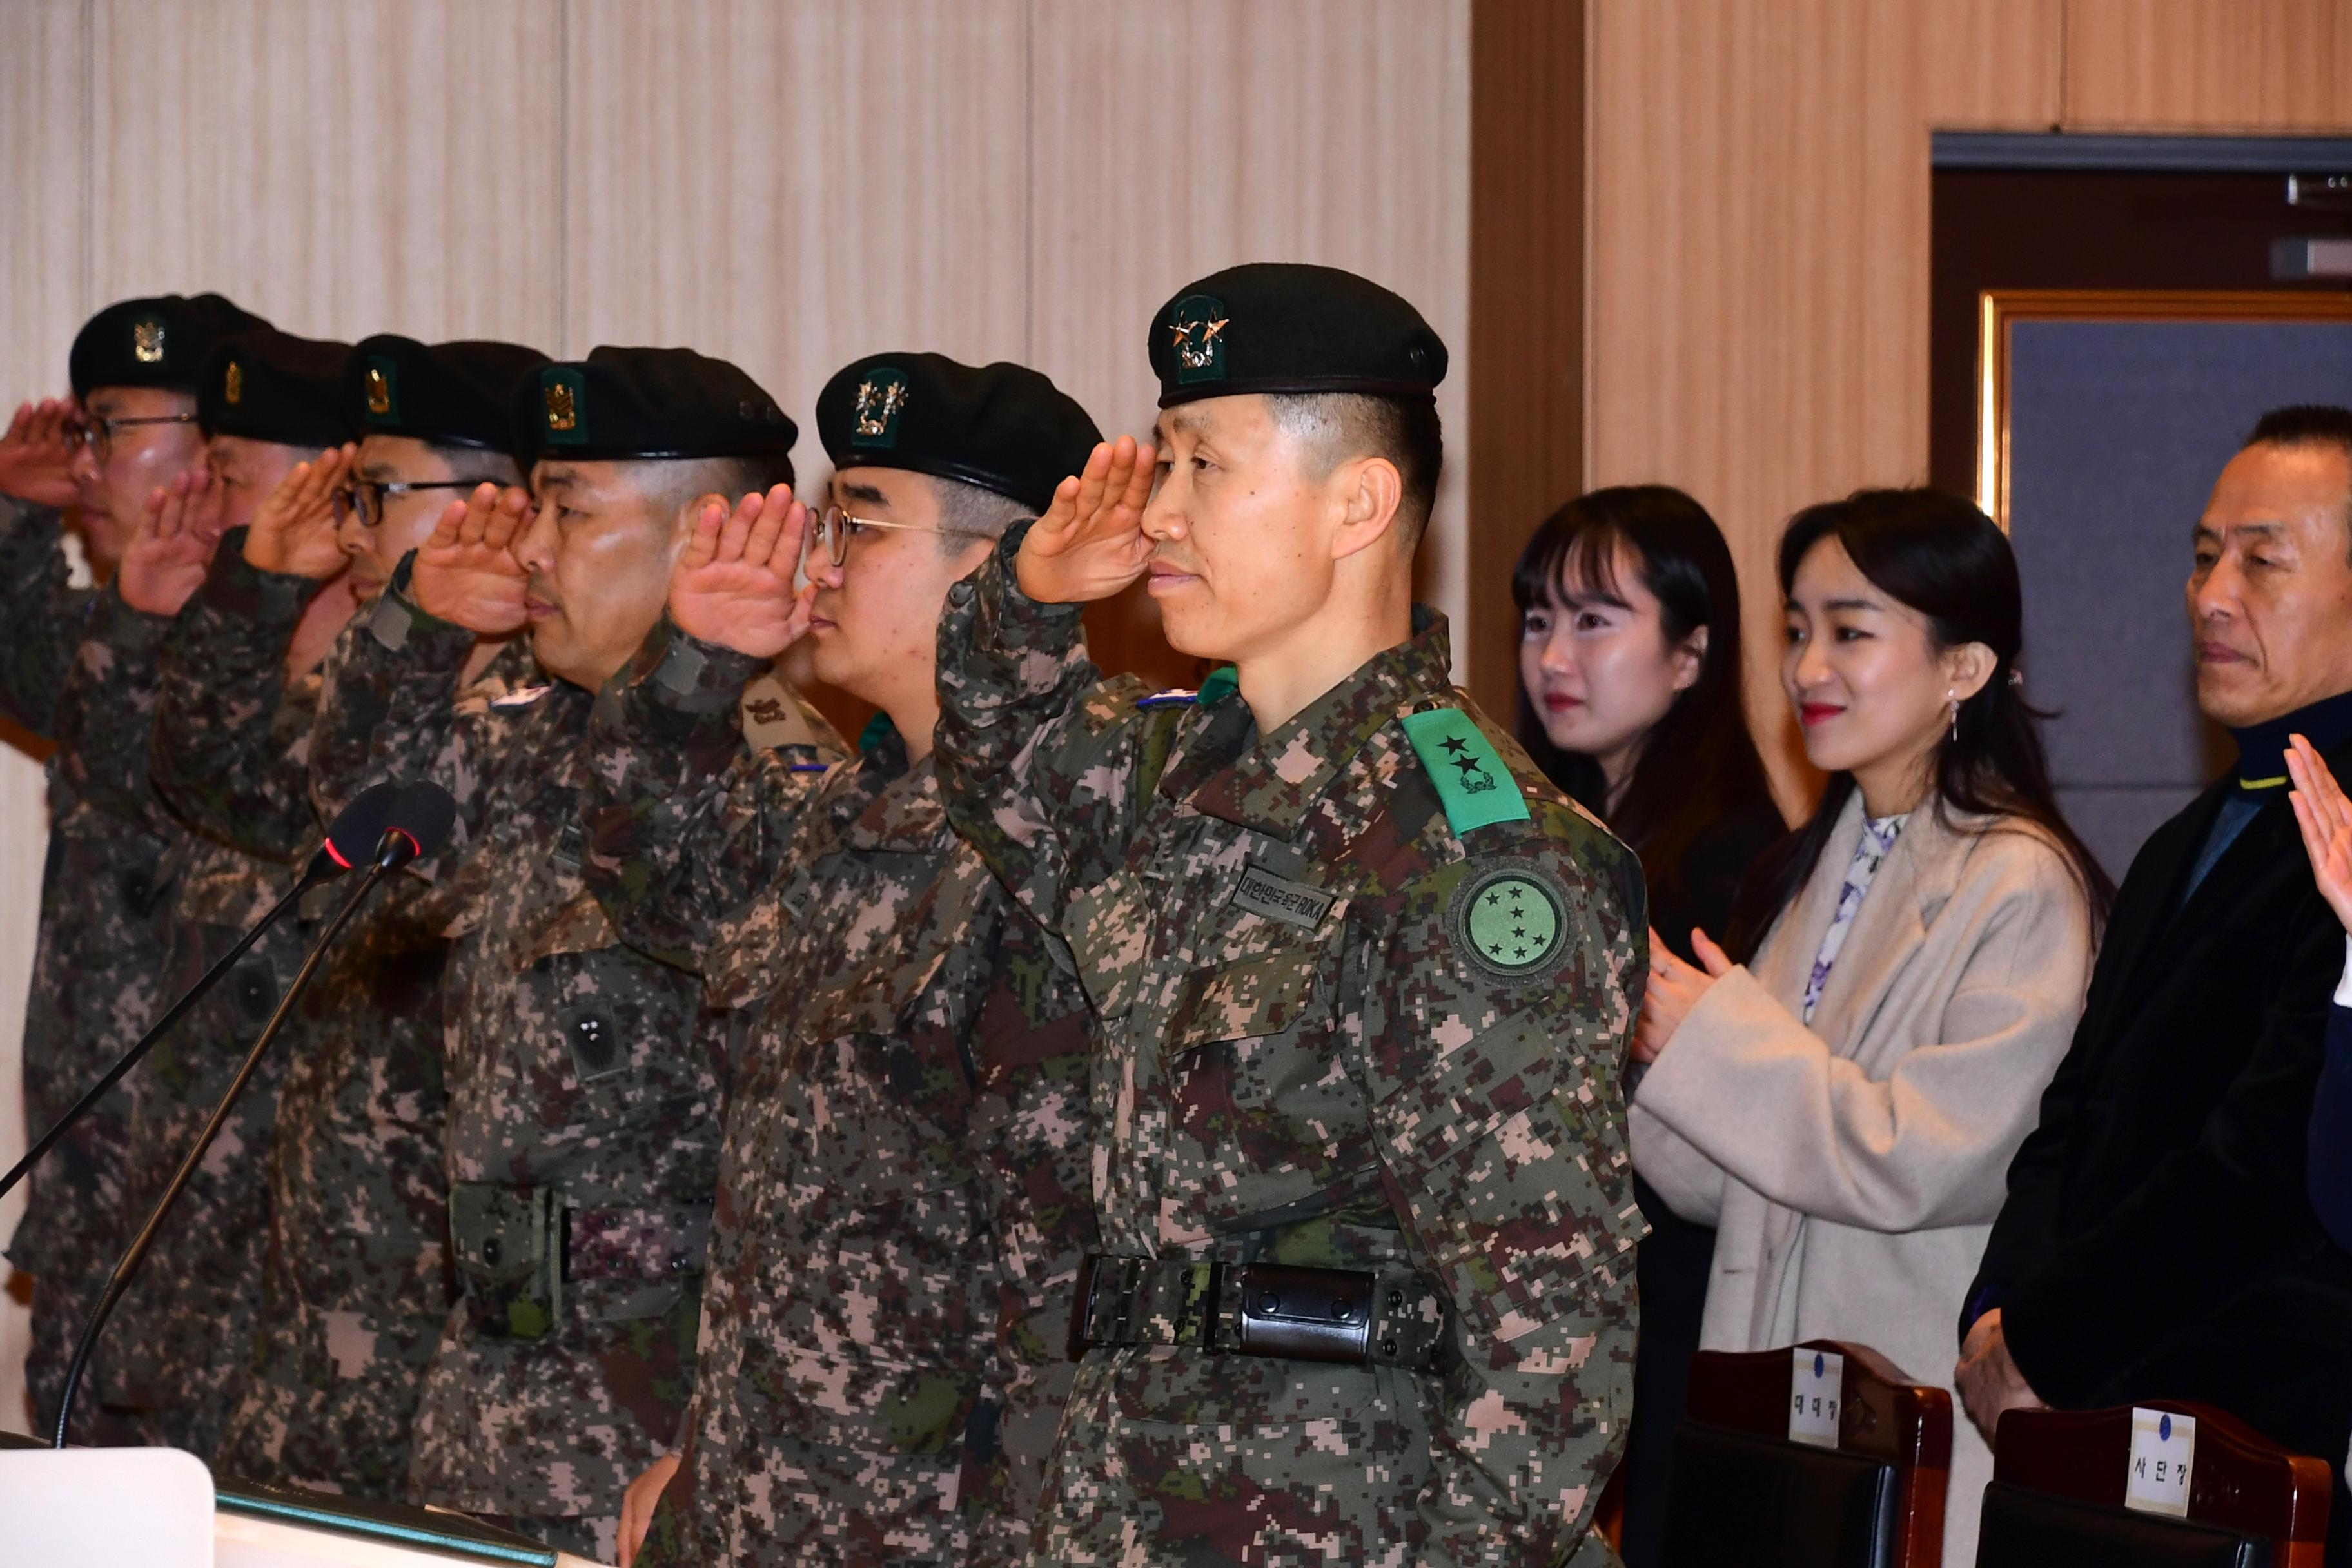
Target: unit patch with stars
(1511, 918)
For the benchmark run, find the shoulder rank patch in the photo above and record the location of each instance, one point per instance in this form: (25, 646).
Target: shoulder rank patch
(1473, 783)
(1510, 919)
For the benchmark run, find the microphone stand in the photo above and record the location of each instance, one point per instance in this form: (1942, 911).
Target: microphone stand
(385, 862)
(132, 1057)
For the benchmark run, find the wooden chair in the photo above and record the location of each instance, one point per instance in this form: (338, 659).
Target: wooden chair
(1744, 1491)
(2058, 1487)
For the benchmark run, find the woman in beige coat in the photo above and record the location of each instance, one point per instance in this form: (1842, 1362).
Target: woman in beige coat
(1843, 1108)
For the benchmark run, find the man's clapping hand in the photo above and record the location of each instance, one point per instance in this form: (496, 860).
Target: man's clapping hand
(1090, 542)
(465, 574)
(293, 530)
(733, 585)
(166, 560)
(37, 453)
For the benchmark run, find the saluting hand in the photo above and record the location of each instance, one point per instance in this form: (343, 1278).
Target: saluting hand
(37, 453)
(733, 585)
(2324, 816)
(465, 574)
(293, 529)
(166, 560)
(1673, 990)
(1090, 543)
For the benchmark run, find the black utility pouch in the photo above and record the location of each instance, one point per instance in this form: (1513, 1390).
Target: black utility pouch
(509, 1245)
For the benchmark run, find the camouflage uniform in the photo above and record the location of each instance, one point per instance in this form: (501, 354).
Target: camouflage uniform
(901, 1201)
(585, 1086)
(78, 668)
(1323, 1044)
(355, 1282)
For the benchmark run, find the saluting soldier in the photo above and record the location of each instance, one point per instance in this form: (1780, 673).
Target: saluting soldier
(584, 1080)
(1364, 980)
(356, 1282)
(79, 669)
(183, 1333)
(902, 1187)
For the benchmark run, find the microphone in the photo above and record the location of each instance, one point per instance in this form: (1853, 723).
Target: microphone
(416, 819)
(352, 838)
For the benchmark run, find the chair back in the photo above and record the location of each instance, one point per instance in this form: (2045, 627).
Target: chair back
(2166, 1484)
(1822, 1454)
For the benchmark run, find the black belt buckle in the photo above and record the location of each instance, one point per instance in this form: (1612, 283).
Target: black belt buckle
(1082, 1310)
(1307, 1314)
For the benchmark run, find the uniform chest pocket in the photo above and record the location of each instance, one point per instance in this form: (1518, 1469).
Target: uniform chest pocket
(1241, 1001)
(1236, 1036)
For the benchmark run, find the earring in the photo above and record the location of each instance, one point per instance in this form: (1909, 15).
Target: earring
(1954, 699)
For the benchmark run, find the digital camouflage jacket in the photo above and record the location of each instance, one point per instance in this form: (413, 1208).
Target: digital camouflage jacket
(901, 1207)
(1365, 984)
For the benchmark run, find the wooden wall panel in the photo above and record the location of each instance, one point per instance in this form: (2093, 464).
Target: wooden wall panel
(1526, 378)
(44, 77)
(1169, 140)
(1758, 253)
(2209, 65)
(376, 166)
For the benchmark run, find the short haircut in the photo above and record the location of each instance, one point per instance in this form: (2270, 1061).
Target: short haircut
(2308, 425)
(486, 463)
(970, 509)
(1337, 426)
(672, 482)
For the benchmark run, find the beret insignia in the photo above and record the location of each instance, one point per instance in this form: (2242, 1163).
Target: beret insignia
(233, 384)
(147, 340)
(881, 398)
(1510, 920)
(1197, 329)
(379, 390)
(561, 393)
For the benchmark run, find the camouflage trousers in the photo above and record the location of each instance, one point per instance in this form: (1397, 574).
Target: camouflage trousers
(329, 1399)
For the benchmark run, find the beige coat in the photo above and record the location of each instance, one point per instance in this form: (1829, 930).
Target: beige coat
(1854, 1169)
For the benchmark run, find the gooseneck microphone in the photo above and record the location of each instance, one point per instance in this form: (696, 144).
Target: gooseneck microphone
(352, 837)
(416, 820)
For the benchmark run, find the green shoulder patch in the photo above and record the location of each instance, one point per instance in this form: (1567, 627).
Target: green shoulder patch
(1473, 784)
(1510, 919)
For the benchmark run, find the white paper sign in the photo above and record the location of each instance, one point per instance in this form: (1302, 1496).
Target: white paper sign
(2163, 1452)
(1816, 1389)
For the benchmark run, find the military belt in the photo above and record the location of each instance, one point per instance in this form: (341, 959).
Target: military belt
(1350, 1316)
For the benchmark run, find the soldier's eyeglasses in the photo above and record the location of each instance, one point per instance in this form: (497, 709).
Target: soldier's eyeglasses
(365, 497)
(835, 526)
(96, 432)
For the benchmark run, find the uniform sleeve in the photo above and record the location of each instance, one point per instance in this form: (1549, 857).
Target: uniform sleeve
(1928, 1144)
(387, 710)
(222, 759)
(2243, 1178)
(1038, 759)
(1502, 1143)
(104, 726)
(685, 823)
(44, 615)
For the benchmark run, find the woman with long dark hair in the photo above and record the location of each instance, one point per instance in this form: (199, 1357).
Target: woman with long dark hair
(1845, 1106)
(1630, 701)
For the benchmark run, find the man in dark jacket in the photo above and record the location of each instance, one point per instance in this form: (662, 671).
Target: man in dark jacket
(2157, 1241)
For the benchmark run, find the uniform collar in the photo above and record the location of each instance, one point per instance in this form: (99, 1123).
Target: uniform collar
(906, 812)
(1269, 783)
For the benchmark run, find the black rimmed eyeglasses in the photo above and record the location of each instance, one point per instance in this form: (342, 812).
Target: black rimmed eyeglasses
(364, 497)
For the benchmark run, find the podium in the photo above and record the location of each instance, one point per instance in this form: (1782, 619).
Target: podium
(161, 1508)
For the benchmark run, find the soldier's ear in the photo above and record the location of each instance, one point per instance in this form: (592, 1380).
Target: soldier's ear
(1369, 489)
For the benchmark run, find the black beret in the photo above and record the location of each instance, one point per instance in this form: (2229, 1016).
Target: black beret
(1004, 427)
(164, 341)
(274, 386)
(452, 394)
(626, 404)
(1283, 326)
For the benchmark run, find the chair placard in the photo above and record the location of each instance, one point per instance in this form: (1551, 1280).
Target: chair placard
(1816, 1390)
(2163, 1452)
